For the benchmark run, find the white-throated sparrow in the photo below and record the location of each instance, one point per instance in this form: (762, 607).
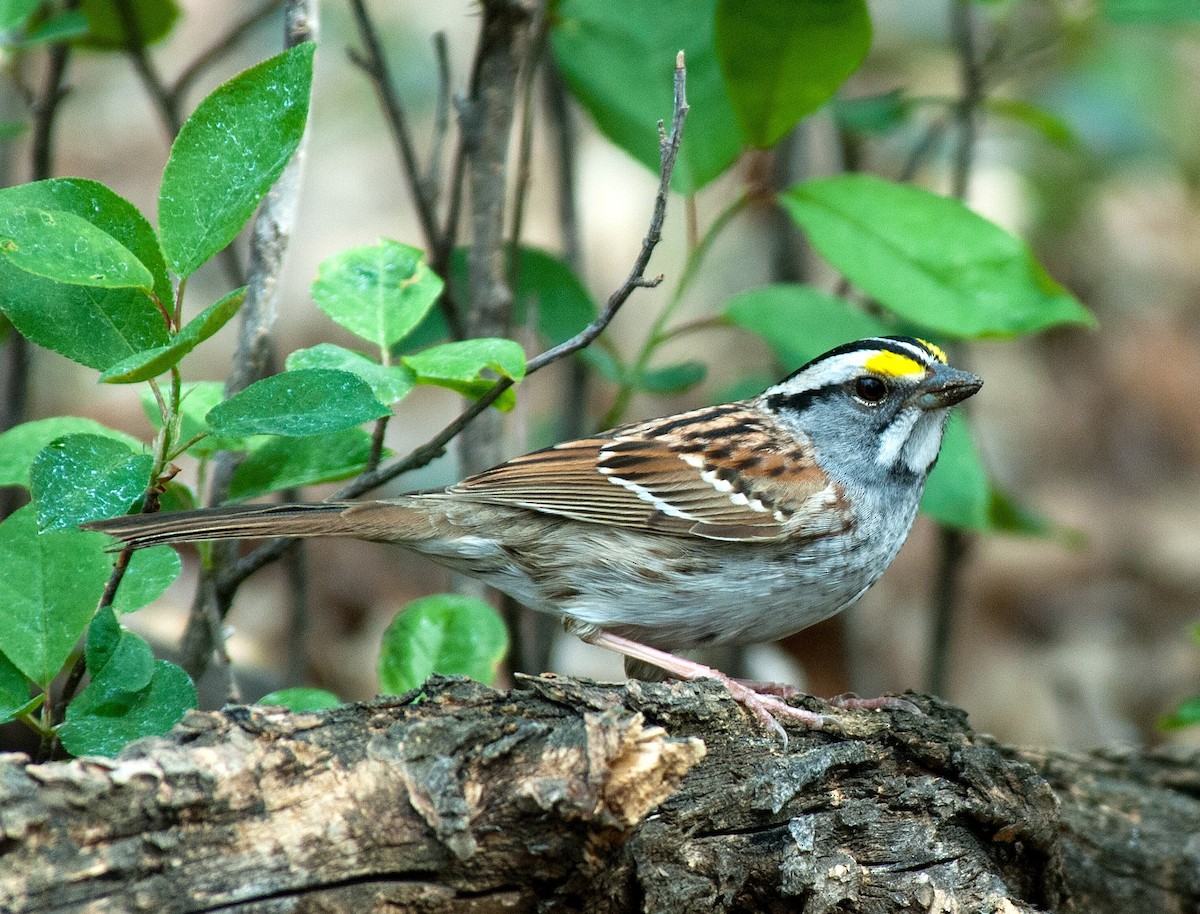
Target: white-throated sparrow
(737, 523)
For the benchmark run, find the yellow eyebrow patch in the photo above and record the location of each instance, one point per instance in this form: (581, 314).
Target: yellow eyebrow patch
(938, 352)
(892, 364)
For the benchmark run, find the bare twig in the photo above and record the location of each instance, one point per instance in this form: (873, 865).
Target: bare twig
(269, 239)
(668, 152)
(953, 545)
(441, 121)
(219, 48)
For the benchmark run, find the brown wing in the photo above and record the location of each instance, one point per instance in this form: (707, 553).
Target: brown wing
(683, 474)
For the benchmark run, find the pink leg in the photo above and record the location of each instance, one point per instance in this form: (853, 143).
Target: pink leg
(764, 707)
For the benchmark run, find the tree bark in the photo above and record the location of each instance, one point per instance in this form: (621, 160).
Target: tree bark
(564, 795)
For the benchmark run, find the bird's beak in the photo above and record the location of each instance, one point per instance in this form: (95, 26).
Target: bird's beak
(944, 387)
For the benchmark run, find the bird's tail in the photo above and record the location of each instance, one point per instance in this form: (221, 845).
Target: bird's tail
(363, 520)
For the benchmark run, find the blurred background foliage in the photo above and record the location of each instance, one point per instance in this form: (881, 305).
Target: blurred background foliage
(1087, 147)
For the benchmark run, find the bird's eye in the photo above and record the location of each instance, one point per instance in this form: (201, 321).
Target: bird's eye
(870, 389)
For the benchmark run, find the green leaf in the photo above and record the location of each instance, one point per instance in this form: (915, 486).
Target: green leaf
(1155, 12)
(150, 573)
(380, 292)
(800, 323)
(15, 13)
(551, 290)
(1052, 127)
(21, 444)
(618, 58)
(150, 363)
(1006, 515)
(125, 716)
(444, 633)
(79, 478)
(283, 463)
(672, 379)
(782, 61)
(154, 18)
(92, 325)
(465, 359)
(107, 211)
(1187, 715)
(43, 608)
(14, 692)
(957, 493)
(878, 114)
(196, 400)
(312, 401)
(389, 383)
(458, 366)
(929, 259)
(301, 699)
(61, 246)
(229, 153)
(10, 130)
(118, 661)
(61, 27)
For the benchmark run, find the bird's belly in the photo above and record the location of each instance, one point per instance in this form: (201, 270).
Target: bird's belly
(718, 596)
(675, 593)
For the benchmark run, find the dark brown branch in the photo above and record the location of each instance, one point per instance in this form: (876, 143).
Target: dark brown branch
(668, 152)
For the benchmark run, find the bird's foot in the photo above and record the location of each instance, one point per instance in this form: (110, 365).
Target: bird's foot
(767, 708)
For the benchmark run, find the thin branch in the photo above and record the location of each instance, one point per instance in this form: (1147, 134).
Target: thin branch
(219, 48)
(441, 120)
(152, 81)
(419, 457)
(953, 545)
(561, 121)
(270, 235)
(45, 107)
